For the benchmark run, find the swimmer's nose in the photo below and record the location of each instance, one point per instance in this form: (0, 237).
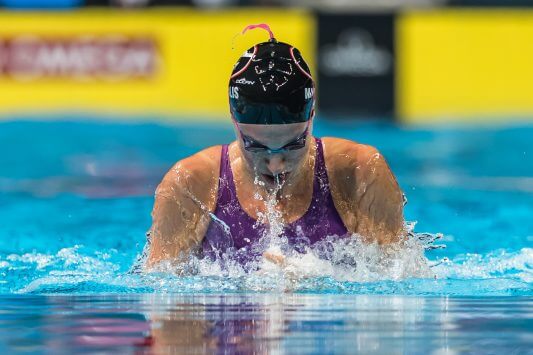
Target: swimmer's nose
(275, 164)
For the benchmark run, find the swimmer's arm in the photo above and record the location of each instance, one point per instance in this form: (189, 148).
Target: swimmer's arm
(183, 201)
(178, 222)
(379, 199)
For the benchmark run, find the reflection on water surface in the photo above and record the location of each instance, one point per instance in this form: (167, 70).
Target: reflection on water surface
(265, 323)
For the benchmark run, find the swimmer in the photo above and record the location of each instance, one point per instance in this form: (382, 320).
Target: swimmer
(215, 201)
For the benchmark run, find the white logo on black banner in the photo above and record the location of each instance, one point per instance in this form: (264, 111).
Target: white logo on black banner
(355, 54)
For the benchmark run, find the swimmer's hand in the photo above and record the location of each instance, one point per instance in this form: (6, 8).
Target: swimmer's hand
(280, 263)
(285, 266)
(275, 258)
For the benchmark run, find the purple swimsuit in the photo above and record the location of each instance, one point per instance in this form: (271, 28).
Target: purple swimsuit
(233, 230)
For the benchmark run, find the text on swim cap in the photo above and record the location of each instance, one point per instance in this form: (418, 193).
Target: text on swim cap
(244, 81)
(309, 93)
(233, 92)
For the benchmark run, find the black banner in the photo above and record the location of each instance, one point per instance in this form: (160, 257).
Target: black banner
(356, 64)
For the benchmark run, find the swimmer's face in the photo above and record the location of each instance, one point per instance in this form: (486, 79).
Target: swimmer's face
(274, 151)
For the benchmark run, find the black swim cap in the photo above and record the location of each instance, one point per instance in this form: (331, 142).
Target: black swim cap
(271, 84)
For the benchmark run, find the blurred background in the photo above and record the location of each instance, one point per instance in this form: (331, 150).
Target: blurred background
(412, 61)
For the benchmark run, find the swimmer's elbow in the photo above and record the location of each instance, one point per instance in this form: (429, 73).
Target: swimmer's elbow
(154, 252)
(389, 218)
(382, 232)
(392, 235)
(381, 207)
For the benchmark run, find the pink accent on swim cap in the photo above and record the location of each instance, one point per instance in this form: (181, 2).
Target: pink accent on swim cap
(264, 26)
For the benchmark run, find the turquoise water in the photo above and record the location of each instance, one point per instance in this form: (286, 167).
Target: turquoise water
(75, 202)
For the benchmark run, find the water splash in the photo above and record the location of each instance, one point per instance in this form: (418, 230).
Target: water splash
(354, 268)
(272, 217)
(497, 264)
(347, 259)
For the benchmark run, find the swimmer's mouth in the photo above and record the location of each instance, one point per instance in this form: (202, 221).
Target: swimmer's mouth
(271, 179)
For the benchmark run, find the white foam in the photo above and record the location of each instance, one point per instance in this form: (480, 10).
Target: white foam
(518, 264)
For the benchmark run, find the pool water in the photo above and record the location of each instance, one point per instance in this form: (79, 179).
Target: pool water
(266, 323)
(75, 202)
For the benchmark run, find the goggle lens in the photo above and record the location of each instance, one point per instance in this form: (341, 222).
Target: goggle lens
(252, 146)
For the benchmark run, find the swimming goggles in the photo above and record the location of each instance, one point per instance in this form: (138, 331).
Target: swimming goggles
(253, 146)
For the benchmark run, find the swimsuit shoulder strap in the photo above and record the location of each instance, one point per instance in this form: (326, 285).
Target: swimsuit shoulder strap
(320, 166)
(322, 190)
(225, 179)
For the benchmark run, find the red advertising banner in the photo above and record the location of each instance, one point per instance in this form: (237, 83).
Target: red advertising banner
(80, 58)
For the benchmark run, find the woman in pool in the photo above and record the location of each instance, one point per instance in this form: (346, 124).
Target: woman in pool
(218, 200)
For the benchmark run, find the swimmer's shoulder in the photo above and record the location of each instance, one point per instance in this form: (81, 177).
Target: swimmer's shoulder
(344, 155)
(364, 190)
(196, 175)
(350, 164)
